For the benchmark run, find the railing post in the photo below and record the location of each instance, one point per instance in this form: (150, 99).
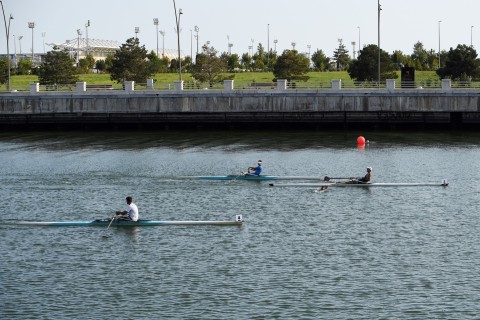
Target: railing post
(178, 85)
(228, 85)
(390, 85)
(34, 87)
(81, 86)
(446, 84)
(282, 84)
(149, 83)
(129, 85)
(337, 84)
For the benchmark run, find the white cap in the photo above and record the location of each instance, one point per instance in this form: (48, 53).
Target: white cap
(259, 161)
(369, 168)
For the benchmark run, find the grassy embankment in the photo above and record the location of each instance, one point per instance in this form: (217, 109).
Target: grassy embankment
(22, 82)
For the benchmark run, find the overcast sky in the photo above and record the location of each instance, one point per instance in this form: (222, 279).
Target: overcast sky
(318, 23)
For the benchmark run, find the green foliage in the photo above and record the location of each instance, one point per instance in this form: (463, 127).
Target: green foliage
(3, 70)
(320, 61)
(365, 68)
(341, 57)
(291, 66)
(85, 65)
(24, 66)
(461, 64)
(208, 67)
(232, 61)
(57, 68)
(130, 63)
(101, 66)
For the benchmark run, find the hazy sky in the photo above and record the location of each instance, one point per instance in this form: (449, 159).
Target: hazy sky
(319, 23)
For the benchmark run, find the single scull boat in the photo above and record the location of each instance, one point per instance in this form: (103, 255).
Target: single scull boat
(125, 223)
(370, 184)
(249, 177)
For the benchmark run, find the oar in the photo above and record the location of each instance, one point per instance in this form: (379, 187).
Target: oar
(339, 177)
(106, 235)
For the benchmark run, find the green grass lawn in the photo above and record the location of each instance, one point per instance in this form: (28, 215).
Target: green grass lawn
(22, 82)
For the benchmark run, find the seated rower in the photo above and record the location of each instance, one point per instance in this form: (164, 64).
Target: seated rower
(130, 214)
(364, 179)
(256, 170)
(325, 179)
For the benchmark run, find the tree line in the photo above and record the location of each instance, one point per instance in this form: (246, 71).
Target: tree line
(133, 62)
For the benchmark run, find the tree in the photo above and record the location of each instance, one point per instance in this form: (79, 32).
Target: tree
(130, 63)
(232, 61)
(341, 57)
(320, 60)
(400, 59)
(365, 68)
(24, 66)
(3, 70)
(85, 65)
(208, 67)
(246, 61)
(57, 68)
(461, 64)
(101, 66)
(420, 57)
(291, 66)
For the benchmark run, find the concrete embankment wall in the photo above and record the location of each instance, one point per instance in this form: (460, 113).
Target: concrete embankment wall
(263, 107)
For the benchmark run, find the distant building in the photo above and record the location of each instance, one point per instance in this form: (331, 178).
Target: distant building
(100, 49)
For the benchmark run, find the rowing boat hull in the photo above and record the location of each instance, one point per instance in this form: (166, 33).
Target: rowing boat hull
(249, 177)
(139, 223)
(361, 185)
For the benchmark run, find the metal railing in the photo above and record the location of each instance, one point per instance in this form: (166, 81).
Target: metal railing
(292, 85)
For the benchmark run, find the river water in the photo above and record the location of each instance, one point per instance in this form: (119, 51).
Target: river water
(355, 253)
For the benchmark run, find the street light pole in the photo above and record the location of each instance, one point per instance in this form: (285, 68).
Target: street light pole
(177, 19)
(79, 34)
(379, 9)
(86, 35)
(471, 36)
(196, 29)
(155, 22)
(275, 44)
(268, 46)
(20, 46)
(43, 37)
(31, 25)
(439, 53)
(163, 43)
(137, 30)
(359, 45)
(7, 33)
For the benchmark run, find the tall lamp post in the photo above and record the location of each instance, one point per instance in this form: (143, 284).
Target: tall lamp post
(379, 9)
(137, 30)
(275, 44)
(353, 45)
(163, 43)
(31, 25)
(177, 20)
(79, 34)
(359, 45)
(7, 34)
(155, 22)
(196, 29)
(471, 36)
(86, 35)
(439, 53)
(20, 46)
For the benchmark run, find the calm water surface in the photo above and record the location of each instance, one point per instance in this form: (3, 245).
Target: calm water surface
(378, 253)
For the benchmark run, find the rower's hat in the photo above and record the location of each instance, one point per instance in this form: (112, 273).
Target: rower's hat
(369, 168)
(260, 162)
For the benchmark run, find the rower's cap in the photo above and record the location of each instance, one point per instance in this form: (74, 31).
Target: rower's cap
(369, 168)
(260, 162)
